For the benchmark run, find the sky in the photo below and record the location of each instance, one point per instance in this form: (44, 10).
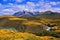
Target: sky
(9, 7)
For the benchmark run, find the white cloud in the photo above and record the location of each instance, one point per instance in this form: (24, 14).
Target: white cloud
(11, 4)
(54, 3)
(55, 10)
(19, 0)
(7, 11)
(47, 6)
(21, 7)
(44, 6)
(30, 4)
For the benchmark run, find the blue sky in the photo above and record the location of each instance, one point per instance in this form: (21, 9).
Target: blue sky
(9, 7)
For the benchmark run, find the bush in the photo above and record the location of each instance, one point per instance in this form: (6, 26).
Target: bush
(48, 33)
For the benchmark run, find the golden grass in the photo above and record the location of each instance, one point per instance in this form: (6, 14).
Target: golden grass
(31, 23)
(57, 30)
(11, 35)
(49, 38)
(17, 18)
(6, 16)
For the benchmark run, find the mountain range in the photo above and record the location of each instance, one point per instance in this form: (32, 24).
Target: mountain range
(37, 13)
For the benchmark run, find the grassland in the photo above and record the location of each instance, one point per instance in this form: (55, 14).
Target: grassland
(12, 35)
(35, 25)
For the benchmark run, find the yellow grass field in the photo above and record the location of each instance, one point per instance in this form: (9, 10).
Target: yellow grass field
(31, 23)
(17, 19)
(12, 35)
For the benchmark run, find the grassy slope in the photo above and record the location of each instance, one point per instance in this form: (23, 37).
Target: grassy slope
(25, 24)
(12, 35)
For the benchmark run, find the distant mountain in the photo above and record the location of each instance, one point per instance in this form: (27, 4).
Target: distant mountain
(48, 14)
(25, 13)
(40, 14)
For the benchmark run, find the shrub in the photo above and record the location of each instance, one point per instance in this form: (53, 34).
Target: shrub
(48, 33)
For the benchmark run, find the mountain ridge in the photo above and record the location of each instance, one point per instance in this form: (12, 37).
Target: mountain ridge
(30, 14)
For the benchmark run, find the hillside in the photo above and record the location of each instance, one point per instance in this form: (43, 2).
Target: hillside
(25, 24)
(47, 24)
(12, 35)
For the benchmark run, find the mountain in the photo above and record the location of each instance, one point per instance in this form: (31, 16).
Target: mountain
(25, 13)
(48, 14)
(37, 13)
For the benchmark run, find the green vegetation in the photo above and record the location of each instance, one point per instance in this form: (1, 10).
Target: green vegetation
(49, 33)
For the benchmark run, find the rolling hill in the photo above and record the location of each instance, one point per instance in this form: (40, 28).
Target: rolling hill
(29, 24)
(36, 24)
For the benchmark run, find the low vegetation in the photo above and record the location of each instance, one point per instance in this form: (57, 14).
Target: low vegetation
(35, 26)
(11, 35)
(48, 33)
